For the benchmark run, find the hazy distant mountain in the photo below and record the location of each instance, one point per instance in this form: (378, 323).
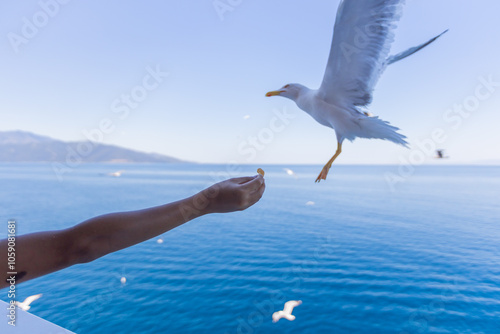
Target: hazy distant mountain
(21, 146)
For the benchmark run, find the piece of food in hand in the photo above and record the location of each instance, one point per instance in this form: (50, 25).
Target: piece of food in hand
(260, 171)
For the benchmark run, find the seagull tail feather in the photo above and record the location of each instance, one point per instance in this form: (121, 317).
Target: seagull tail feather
(374, 127)
(410, 51)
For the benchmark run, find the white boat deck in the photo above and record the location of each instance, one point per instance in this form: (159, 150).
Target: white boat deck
(27, 323)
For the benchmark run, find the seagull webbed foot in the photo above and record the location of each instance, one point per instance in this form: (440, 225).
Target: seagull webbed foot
(323, 174)
(324, 171)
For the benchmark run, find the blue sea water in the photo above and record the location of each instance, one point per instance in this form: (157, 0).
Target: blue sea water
(423, 257)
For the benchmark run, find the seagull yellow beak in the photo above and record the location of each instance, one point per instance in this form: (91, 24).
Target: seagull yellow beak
(274, 93)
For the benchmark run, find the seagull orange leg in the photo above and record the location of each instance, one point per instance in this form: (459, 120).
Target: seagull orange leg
(324, 171)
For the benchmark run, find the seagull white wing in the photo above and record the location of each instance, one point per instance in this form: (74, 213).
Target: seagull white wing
(31, 299)
(290, 305)
(277, 316)
(363, 33)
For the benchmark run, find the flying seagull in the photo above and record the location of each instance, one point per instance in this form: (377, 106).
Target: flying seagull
(116, 174)
(26, 304)
(440, 154)
(287, 311)
(290, 172)
(363, 34)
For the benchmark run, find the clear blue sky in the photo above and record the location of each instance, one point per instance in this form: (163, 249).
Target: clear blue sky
(66, 77)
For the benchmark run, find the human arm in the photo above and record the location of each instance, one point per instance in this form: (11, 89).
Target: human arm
(41, 253)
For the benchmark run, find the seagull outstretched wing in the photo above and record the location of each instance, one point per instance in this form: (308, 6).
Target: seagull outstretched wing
(363, 34)
(31, 299)
(290, 305)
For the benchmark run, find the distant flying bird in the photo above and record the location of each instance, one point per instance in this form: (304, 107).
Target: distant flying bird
(25, 305)
(116, 174)
(440, 154)
(363, 34)
(310, 203)
(287, 311)
(290, 172)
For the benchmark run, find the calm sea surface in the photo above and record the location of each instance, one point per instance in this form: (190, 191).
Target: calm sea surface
(421, 258)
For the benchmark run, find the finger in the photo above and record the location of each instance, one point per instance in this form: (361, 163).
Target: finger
(242, 180)
(257, 195)
(261, 190)
(254, 184)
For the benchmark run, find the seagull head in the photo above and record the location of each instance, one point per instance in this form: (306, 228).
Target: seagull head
(290, 91)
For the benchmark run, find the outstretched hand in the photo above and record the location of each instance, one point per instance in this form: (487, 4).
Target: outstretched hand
(234, 194)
